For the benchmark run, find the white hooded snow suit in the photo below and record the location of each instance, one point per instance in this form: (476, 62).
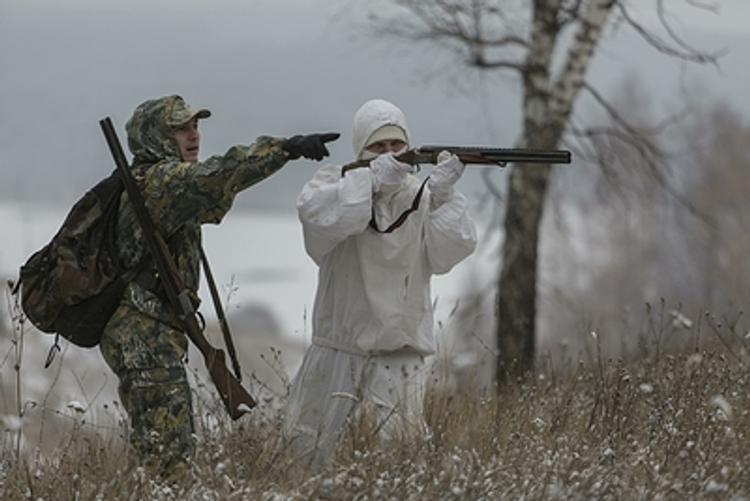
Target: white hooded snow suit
(372, 318)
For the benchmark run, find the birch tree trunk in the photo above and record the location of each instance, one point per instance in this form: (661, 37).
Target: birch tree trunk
(546, 109)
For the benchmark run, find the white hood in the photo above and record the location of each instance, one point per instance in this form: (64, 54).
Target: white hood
(373, 115)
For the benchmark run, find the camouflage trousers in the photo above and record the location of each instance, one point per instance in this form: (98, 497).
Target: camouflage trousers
(148, 357)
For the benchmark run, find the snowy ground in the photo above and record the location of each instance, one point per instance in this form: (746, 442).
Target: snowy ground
(260, 257)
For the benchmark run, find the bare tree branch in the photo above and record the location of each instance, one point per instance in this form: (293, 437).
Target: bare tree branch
(583, 149)
(480, 62)
(711, 7)
(618, 119)
(682, 51)
(640, 140)
(599, 152)
(654, 165)
(713, 59)
(441, 19)
(459, 27)
(643, 132)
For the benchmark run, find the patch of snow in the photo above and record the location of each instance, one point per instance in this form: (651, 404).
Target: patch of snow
(723, 405)
(11, 423)
(679, 320)
(465, 360)
(244, 408)
(76, 406)
(343, 394)
(714, 486)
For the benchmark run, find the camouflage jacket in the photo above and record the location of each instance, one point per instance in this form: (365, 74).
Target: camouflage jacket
(181, 196)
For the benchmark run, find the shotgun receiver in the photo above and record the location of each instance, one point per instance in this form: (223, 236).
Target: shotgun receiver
(236, 399)
(477, 155)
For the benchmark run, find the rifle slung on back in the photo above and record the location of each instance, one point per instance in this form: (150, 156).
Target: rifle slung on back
(236, 399)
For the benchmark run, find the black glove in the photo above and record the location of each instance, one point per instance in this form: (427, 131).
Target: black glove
(312, 146)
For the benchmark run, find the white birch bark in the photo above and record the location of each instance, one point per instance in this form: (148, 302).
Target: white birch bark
(546, 111)
(572, 76)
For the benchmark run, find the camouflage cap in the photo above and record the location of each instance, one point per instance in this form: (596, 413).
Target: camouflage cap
(178, 112)
(150, 134)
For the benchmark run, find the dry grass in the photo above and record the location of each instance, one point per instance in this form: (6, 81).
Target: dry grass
(671, 427)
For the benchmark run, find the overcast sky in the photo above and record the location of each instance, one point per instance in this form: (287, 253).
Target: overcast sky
(270, 67)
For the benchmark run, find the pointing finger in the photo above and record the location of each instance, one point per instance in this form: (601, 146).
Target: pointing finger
(329, 136)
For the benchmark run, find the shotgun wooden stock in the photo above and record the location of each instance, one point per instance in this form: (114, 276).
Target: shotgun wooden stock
(236, 399)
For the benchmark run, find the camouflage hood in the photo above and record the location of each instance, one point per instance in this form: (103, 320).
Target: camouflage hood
(149, 130)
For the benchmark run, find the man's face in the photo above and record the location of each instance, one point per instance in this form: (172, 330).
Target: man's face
(188, 140)
(386, 146)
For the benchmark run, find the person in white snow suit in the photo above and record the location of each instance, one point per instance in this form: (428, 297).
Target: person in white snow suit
(372, 318)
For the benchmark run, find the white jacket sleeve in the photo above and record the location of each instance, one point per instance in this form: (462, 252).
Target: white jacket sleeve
(450, 234)
(332, 208)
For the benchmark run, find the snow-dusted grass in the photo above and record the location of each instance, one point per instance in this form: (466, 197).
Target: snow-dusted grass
(673, 427)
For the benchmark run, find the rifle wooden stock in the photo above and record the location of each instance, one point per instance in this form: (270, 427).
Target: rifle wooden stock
(236, 399)
(475, 155)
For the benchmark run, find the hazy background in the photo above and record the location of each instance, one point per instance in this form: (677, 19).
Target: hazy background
(282, 68)
(272, 67)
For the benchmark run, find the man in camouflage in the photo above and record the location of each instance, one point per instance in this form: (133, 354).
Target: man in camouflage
(144, 342)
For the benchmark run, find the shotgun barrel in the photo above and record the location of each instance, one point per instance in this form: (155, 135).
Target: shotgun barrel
(475, 155)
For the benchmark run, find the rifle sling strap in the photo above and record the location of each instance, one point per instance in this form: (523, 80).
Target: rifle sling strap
(400, 220)
(149, 280)
(220, 315)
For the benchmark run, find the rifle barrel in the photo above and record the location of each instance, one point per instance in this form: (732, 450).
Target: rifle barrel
(478, 154)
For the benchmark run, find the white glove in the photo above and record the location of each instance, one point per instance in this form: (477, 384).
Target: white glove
(444, 175)
(386, 170)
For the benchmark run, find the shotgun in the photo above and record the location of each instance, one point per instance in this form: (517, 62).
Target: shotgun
(236, 399)
(478, 155)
